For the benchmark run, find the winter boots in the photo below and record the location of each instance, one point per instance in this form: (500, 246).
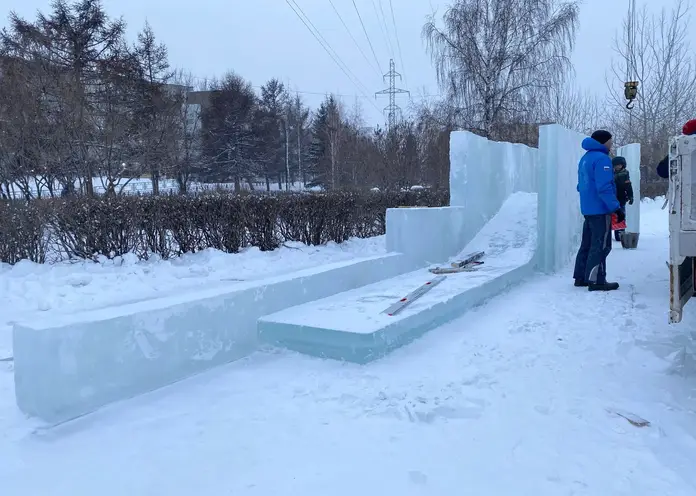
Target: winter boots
(607, 286)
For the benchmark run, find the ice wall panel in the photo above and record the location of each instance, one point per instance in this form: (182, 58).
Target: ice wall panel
(69, 366)
(427, 235)
(632, 155)
(560, 220)
(483, 174)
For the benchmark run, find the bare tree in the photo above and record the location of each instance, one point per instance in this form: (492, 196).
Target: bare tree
(113, 117)
(655, 51)
(575, 108)
(185, 148)
(490, 53)
(22, 123)
(69, 43)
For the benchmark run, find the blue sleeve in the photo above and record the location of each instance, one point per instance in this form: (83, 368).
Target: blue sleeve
(604, 179)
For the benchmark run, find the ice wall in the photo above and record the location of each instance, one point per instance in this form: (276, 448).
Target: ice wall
(427, 235)
(560, 220)
(69, 365)
(483, 174)
(632, 155)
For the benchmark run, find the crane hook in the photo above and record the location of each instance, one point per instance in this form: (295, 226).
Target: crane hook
(630, 92)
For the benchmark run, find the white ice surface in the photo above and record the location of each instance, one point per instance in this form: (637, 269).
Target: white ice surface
(632, 155)
(560, 219)
(35, 291)
(510, 400)
(509, 240)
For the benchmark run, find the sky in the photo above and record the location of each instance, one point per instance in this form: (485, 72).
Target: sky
(262, 39)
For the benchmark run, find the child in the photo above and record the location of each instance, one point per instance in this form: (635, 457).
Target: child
(624, 193)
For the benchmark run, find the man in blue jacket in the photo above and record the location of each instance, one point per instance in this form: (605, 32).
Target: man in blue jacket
(597, 202)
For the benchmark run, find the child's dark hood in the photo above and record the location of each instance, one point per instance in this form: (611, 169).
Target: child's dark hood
(620, 161)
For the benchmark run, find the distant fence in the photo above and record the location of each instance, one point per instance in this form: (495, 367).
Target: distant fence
(143, 186)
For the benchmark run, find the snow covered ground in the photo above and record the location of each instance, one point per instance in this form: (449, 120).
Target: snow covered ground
(513, 399)
(28, 288)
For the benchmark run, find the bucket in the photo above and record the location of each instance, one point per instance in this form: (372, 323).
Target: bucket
(629, 240)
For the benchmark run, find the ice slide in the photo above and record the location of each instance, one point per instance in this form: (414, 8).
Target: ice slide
(352, 326)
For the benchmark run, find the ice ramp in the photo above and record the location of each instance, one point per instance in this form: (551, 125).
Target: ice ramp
(351, 326)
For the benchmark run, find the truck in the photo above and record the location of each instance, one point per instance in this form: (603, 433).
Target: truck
(681, 198)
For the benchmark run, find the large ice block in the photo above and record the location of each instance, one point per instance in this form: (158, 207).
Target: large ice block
(560, 219)
(632, 155)
(483, 174)
(352, 326)
(69, 365)
(427, 235)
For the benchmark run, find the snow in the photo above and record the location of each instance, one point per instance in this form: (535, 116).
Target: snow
(509, 240)
(29, 290)
(517, 397)
(510, 237)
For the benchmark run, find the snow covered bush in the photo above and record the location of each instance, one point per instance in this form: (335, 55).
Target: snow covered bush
(86, 227)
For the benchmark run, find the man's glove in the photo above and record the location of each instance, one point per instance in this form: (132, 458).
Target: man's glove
(620, 215)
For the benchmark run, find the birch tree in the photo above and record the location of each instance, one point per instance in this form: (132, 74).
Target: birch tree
(489, 54)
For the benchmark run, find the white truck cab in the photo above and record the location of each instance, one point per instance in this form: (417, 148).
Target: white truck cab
(682, 223)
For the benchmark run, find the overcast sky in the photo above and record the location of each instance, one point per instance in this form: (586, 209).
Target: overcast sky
(261, 39)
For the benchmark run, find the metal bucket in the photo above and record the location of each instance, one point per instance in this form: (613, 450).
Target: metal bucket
(629, 241)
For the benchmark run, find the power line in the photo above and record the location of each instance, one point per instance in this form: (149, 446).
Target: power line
(322, 93)
(382, 25)
(326, 46)
(369, 41)
(353, 38)
(398, 43)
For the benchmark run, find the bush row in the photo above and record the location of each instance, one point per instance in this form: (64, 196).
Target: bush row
(168, 226)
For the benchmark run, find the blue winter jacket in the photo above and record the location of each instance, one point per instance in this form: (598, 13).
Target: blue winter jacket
(596, 180)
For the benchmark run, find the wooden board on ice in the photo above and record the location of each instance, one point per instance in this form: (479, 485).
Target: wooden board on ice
(451, 270)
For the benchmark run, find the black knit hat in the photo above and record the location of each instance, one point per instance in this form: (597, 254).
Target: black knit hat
(601, 136)
(618, 161)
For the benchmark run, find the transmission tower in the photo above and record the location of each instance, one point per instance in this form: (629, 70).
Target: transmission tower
(392, 109)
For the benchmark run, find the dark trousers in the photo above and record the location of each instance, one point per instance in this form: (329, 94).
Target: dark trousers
(591, 261)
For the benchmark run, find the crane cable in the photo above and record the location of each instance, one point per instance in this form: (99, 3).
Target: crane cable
(631, 84)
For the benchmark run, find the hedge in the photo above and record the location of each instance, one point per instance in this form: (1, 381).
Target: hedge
(168, 226)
